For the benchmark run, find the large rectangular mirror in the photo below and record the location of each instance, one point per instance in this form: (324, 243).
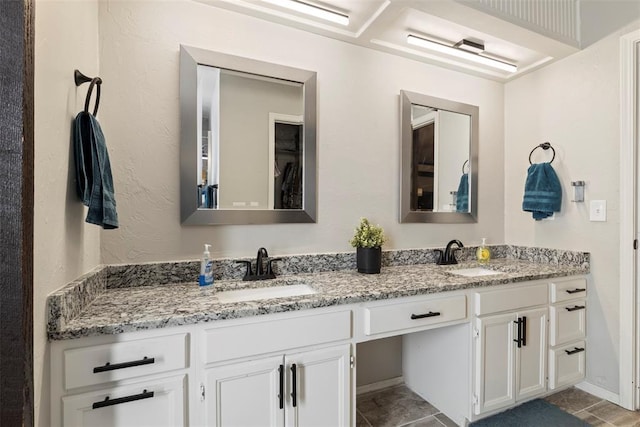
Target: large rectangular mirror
(248, 148)
(439, 157)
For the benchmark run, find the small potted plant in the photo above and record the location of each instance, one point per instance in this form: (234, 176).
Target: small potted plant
(368, 240)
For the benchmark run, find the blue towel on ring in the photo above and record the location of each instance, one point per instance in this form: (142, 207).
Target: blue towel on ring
(542, 191)
(462, 197)
(93, 171)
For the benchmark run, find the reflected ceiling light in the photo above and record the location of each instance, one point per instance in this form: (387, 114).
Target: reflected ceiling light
(465, 49)
(309, 9)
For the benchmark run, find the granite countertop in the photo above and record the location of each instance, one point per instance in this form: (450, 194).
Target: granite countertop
(125, 309)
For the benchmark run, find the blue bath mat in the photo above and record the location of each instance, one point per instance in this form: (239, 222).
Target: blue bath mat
(537, 413)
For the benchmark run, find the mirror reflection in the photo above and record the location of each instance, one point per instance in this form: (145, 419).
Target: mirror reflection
(255, 123)
(438, 160)
(248, 140)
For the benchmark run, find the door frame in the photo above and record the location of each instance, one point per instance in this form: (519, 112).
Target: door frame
(629, 354)
(16, 249)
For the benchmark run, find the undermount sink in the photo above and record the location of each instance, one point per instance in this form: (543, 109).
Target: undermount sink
(268, 292)
(473, 272)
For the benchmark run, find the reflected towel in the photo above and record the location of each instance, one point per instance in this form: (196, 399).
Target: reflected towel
(93, 172)
(462, 198)
(542, 191)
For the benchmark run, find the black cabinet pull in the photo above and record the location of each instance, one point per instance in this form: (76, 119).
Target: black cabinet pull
(524, 331)
(574, 351)
(519, 339)
(576, 290)
(576, 307)
(110, 402)
(112, 367)
(422, 316)
(294, 383)
(281, 393)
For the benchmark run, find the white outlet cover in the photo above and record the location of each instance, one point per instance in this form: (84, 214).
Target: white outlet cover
(598, 210)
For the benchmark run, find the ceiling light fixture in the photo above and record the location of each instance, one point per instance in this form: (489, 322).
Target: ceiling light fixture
(309, 9)
(465, 49)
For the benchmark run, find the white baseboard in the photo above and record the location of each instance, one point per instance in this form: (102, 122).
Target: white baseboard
(599, 392)
(379, 385)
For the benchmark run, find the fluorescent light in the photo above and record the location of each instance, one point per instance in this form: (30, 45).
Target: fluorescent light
(464, 54)
(318, 12)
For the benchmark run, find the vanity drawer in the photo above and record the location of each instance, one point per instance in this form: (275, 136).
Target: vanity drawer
(566, 364)
(568, 322)
(266, 336)
(563, 290)
(511, 299)
(123, 360)
(429, 311)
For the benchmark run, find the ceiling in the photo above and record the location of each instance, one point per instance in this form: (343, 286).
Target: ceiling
(528, 34)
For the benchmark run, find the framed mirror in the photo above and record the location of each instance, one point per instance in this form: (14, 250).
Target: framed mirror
(438, 160)
(248, 140)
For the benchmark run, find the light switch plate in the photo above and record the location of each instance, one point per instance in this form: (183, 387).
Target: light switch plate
(598, 210)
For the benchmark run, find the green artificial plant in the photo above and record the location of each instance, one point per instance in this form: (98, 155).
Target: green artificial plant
(367, 235)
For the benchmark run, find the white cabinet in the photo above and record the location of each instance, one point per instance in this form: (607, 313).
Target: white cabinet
(246, 394)
(567, 327)
(510, 348)
(322, 387)
(309, 388)
(153, 403)
(138, 379)
(291, 370)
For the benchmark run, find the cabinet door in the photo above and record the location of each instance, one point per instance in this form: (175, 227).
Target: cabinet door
(494, 362)
(245, 394)
(154, 404)
(531, 357)
(322, 388)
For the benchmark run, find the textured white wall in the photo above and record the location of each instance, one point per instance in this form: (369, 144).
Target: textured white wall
(574, 105)
(65, 247)
(358, 134)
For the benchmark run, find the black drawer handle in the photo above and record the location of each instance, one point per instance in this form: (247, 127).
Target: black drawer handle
(574, 351)
(576, 290)
(576, 307)
(112, 367)
(294, 383)
(422, 316)
(281, 388)
(110, 402)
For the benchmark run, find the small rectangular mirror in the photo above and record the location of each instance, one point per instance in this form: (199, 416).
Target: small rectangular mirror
(248, 148)
(439, 154)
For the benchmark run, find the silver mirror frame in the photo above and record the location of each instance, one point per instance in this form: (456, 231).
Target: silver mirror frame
(190, 58)
(406, 136)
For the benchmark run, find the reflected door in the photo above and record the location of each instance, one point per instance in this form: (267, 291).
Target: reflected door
(423, 167)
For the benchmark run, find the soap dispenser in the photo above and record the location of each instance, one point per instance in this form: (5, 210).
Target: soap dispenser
(483, 254)
(206, 268)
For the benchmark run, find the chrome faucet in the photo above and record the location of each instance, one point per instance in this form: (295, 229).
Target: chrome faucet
(260, 273)
(449, 255)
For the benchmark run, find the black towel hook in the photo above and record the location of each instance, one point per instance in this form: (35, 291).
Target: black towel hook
(544, 146)
(464, 164)
(80, 79)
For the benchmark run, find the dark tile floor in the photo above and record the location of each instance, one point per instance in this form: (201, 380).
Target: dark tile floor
(398, 406)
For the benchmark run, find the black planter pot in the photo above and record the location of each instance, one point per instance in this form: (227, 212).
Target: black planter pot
(369, 260)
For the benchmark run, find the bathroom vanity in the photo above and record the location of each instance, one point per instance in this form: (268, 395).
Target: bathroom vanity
(175, 355)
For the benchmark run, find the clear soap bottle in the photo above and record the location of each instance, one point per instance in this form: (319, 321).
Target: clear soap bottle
(483, 254)
(206, 268)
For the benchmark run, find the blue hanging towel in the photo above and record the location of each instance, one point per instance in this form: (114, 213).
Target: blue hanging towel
(542, 191)
(462, 197)
(93, 171)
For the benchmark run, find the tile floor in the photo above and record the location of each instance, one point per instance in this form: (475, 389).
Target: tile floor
(398, 406)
